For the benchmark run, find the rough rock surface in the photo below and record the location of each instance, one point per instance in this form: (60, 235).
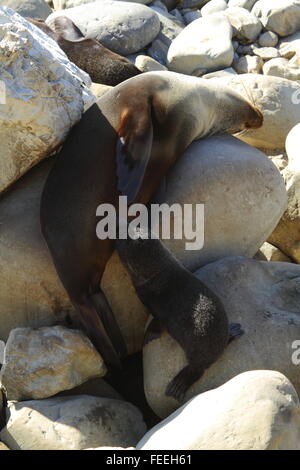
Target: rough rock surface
(257, 410)
(44, 95)
(264, 297)
(40, 363)
(72, 423)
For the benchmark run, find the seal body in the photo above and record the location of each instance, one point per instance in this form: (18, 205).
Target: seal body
(180, 303)
(103, 65)
(124, 145)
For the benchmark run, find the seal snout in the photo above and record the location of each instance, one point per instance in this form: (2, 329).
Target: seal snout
(256, 120)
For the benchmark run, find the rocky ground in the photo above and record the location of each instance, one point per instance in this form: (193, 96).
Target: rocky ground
(56, 390)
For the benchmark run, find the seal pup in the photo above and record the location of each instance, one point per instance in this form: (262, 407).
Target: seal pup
(180, 303)
(103, 66)
(124, 145)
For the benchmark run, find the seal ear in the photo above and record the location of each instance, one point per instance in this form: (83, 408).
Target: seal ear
(133, 150)
(67, 29)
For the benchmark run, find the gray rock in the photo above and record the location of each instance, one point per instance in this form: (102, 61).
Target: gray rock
(268, 39)
(257, 410)
(40, 363)
(281, 67)
(122, 27)
(30, 291)
(72, 423)
(169, 27)
(147, 64)
(281, 17)
(286, 235)
(42, 95)
(204, 45)
(245, 24)
(290, 46)
(63, 4)
(96, 387)
(266, 53)
(249, 64)
(191, 16)
(248, 4)
(264, 297)
(158, 51)
(220, 73)
(214, 6)
(29, 8)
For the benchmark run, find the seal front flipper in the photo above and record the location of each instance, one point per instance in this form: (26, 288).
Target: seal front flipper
(153, 331)
(235, 331)
(133, 150)
(109, 322)
(182, 381)
(93, 325)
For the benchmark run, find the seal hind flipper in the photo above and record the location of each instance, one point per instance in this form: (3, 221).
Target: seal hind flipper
(133, 150)
(153, 331)
(178, 386)
(235, 331)
(94, 327)
(109, 322)
(67, 29)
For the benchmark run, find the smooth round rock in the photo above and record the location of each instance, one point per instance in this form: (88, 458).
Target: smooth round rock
(204, 45)
(122, 27)
(264, 297)
(281, 17)
(248, 4)
(30, 291)
(277, 98)
(281, 67)
(246, 25)
(244, 197)
(268, 39)
(29, 8)
(147, 64)
(249, 64)
(256, 410)
(72, 423)
(214, 6)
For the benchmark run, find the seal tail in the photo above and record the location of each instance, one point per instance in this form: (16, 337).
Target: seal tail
(97, 319)
(178, 386)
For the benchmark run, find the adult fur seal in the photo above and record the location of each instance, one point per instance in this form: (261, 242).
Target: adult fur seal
(103, 65)
(180, 303)
(124, 144)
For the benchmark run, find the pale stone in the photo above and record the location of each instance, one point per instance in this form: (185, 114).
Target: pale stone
(290, 46)
(147, 64)
(42, 95)
(280, 16)
(40, 363)
(204, 44)
(72, 423)
(257, 410)
(268, 252)
(248, 4)
(214, 6)
(245, 24)
(29, 8)
(264, 297)
(122, 27)
(30, 291)
(282, 68)
(268, 39)
(266, 53)
(249, 64)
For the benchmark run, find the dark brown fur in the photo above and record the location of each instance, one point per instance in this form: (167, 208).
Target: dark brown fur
(103, 65)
